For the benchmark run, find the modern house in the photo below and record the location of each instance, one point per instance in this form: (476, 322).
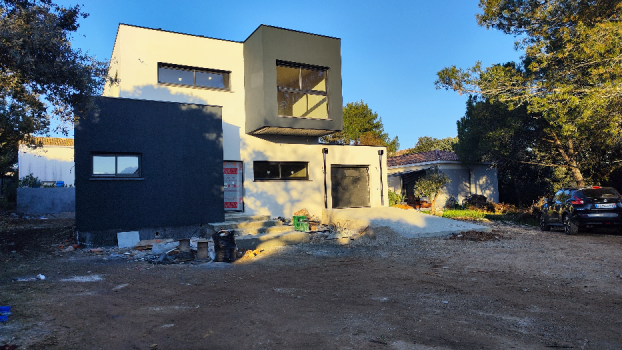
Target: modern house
(198, 126)
(405, 170)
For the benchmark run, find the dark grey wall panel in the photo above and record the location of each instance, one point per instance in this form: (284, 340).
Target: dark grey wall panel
(261, 51)
(182, 161)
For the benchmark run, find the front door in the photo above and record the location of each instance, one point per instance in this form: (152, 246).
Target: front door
(234, 185)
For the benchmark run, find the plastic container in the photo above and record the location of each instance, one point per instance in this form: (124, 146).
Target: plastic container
(224, 246)
(300, 223)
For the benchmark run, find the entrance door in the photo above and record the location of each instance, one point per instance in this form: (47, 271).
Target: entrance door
(234, 185)
(350, 186)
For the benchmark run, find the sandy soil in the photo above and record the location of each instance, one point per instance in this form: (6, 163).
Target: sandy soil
(516, 288)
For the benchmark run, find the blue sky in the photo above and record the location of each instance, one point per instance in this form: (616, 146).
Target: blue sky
(391, 50)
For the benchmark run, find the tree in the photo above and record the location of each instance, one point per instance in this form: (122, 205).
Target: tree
(427, 143)
(431, 185)
(362, 126)
(42, 77)
(508, 139)
(570, 77)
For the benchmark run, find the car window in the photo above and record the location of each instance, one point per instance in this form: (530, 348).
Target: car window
(562, 195)
(601, 193)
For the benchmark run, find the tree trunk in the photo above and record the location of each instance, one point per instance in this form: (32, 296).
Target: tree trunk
(570, 160)
(433, 205)
(517, 192)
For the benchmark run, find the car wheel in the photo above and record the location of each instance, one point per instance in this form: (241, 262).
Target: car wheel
(543, 225)
(570, 228)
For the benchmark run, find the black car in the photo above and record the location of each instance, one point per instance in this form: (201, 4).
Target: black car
(579, 208)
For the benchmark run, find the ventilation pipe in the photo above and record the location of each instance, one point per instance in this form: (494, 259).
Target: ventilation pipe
(324, 153)
(381, 184)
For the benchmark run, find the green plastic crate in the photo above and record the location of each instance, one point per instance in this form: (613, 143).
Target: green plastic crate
(300, 223)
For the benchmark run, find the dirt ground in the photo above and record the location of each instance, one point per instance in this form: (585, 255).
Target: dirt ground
(515, 288)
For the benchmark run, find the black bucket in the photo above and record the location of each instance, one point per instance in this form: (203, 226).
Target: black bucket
(225, 249)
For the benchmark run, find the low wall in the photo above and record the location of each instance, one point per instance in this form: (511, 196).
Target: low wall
(37, 201)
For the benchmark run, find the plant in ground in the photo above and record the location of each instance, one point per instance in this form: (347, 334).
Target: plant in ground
(431, 185)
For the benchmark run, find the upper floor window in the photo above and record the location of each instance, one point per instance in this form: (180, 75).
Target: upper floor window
(190, 76)
(301, 90)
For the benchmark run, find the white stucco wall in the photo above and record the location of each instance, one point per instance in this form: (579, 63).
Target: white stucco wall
(135, 60)
(47, 163)
(483, 181)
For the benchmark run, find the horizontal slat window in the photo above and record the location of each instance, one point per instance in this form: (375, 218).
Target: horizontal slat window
(190, 76)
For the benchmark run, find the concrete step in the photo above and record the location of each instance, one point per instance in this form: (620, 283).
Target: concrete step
(237, 225)
(241, 217)
(261, 230)
(270, 240)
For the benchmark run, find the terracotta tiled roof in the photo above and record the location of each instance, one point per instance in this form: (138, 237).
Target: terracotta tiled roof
(54, 141)
(401, 152)
(422, 157)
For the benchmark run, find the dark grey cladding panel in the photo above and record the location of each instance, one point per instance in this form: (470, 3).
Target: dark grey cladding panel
(261, 52)
(181, 152)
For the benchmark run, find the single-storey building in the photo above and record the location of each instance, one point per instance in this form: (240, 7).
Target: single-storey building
(405, 170)
(198, 126)
(52, 163)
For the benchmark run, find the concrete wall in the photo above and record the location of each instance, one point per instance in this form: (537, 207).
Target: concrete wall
(261, 51)
(181, 181)
(38, 201)
(134, 61)
(485, 182)
(47, 163)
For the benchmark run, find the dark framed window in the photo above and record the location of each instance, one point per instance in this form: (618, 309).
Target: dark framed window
(264, 170)
(301, 90)
(116, 165)
(191, 76)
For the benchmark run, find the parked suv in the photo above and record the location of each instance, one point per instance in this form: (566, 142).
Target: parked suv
(585, 207)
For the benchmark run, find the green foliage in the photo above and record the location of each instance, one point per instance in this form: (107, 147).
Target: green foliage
(568, 79)
(426, 143)
(463, 213)
(42, 77)
(395, 198)
(431, 185)
(362, 126)
(29, 181)
(9, 189)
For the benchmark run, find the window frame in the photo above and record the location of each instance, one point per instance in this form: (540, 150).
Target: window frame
(116, 175)
(300, 90)
(280, 177)
(225, 74)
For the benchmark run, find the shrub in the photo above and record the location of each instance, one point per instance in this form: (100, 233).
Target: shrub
(395, 198)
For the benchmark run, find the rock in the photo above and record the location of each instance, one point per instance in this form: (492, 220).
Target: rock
(303, 212)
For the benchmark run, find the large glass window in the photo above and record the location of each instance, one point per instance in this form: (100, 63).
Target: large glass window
(116, 165)
(263, 170)
(301, 90)
(198, 77)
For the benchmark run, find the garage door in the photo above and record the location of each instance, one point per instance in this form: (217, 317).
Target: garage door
(350, 186)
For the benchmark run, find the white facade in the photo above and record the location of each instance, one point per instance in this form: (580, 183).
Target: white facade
(134, 61)
(49, 163)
